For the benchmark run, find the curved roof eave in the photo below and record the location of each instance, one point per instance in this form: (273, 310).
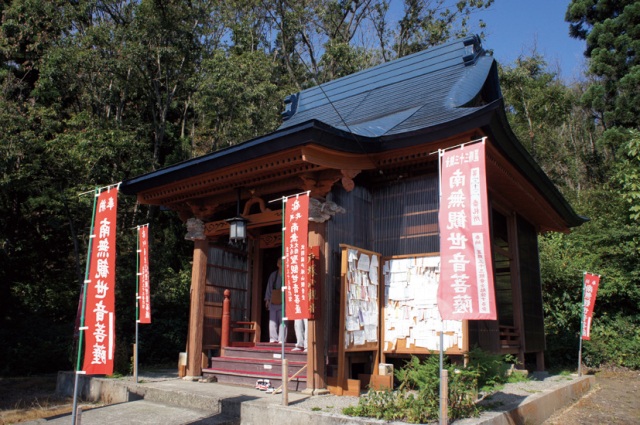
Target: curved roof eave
(304, 133)
(313, 131)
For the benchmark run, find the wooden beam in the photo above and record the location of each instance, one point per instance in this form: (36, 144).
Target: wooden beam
(329, 158)
(221, 227)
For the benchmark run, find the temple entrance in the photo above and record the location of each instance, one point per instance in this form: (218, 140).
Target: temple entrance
(269, 258)
(226, 269)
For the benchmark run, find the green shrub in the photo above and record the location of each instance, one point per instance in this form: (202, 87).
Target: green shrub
(614, 342)
(417, 398)
(492, 368)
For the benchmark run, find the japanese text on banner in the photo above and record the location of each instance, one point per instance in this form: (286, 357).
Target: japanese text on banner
(466, 290)
(144, 292)
(100, 299)
(590, 289)
(296, 223)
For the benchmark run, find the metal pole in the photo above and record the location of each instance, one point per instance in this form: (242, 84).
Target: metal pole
(96, 193)
(135, 346)
(135, 356)
(443, 379)
(581, 328)
(285, 373)
(443, 383)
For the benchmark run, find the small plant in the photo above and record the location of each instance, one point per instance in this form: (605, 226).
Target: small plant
(417, 398)
(316, 409)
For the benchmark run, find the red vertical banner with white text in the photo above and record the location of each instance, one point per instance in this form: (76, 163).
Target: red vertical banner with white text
(144, 291)
(589, 292)
(99, 313)
(466, 290)
(296, 236)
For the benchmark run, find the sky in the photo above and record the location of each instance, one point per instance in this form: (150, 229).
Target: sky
(515, 26)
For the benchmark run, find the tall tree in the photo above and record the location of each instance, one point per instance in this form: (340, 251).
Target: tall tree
(427, 23)
(610, 29)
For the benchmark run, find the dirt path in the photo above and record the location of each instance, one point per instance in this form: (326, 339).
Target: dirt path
(615, 400)
(28, 398)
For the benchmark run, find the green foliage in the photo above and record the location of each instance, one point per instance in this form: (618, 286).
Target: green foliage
(417, 398)
(629, 175)
(612, 43)
(492, 368)
(428, 24)
(615, 341)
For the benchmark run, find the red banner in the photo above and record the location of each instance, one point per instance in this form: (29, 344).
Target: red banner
(144, 291)
(99, 313)
(466, 289)
(296, 222)
(589, 292)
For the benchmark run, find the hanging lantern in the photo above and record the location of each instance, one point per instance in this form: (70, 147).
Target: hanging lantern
(238, 230)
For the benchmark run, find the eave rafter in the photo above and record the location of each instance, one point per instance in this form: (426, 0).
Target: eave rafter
(220, 184)
(308, 167)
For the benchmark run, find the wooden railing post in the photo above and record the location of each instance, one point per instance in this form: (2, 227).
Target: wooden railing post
(226, 320)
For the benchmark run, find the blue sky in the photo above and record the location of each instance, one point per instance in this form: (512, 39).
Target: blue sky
(515, 26)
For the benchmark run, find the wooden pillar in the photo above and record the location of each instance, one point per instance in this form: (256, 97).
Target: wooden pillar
(516, 284)
(226, 321)
(315, 334)
(196, 315)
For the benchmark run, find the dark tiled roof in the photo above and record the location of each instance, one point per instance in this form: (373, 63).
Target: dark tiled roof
(426, 89)
(427, 96)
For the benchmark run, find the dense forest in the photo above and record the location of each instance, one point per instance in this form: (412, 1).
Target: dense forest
(93, 92)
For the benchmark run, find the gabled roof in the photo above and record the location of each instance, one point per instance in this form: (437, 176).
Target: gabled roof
(426, 89)
(441, 92)
(432, 94)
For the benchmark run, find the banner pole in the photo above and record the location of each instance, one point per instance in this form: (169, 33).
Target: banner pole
(82, 310)
(285, 372)
(443, 419)
(135, 347)
(581, 327)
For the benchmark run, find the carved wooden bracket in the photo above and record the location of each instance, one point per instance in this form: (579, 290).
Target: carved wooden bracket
(201, 209)
(320, 184)
(347, 179)
(251, 202)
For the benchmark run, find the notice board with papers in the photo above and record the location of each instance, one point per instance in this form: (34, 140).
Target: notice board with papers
(410, 320)
(359, 312)
(360, 308)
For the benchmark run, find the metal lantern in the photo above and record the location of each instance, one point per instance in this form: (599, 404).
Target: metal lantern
(238, 229)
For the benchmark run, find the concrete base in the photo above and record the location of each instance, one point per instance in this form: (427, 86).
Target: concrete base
(229, 404)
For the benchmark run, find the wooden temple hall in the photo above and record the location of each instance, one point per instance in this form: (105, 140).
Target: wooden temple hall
(363, 145)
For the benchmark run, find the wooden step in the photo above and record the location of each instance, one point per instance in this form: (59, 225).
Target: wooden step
(245, 378)
(256, 366)
(266, 351)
